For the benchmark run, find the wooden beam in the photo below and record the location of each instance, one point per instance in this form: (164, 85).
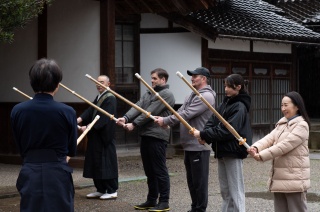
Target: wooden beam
(164, 8)
(147, 6)
(204, 3)
(181, 6)
(107, 39)
(203, 30)
(204, 53)
(132, 6)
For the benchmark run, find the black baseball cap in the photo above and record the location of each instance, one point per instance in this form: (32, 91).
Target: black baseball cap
(200, 71)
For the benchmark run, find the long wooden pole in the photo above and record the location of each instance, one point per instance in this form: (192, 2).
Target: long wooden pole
(148, 114)
(84, 132)
(186, 124)
(88, 129)
(90, 103)
(16, 89)
(242, 141)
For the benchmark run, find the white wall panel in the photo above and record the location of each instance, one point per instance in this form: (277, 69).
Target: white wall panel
(172, 52)
(149, 20)
(15, 61)
(230, 44)
(74, 42)
(269, 47)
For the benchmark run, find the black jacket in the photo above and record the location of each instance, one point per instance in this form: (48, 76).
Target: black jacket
(235, 110)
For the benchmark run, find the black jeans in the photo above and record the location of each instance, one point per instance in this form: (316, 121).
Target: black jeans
(153, 154)
(197, 168)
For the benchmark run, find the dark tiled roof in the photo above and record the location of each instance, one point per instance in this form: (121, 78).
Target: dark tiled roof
(306, 12)
(253, 19)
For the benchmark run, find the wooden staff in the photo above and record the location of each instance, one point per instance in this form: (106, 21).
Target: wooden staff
(191, 129)
(31, 98)
(90, 103)
(242, 141)
(88, 129)
(14, 88)
(148, 114)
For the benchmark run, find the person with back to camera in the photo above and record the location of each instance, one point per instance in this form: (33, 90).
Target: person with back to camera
(235, 110)
(196, 156)
(101, 163)
(287, 147)
(45, 132)
(154, 141)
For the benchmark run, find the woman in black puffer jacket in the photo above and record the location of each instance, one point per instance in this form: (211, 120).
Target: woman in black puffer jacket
(235, 110)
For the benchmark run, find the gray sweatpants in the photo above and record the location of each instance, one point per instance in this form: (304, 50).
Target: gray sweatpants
(290, 202)
(231, 184)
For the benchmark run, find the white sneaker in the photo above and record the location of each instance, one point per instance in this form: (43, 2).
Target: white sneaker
(109, 196)
(94, 195)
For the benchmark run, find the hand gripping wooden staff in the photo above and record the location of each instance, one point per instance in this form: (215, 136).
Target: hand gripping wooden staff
(87, 129)
(242, 141)
(148, 114)
(191, 129)
(90, 103)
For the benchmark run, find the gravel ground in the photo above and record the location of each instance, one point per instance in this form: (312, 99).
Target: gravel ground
(133, 187)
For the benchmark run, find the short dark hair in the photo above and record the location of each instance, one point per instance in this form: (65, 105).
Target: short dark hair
(45, 75)
(234, 80)
(161, 73)
(297, 100)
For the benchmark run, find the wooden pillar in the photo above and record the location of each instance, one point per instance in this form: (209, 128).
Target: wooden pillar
(107, 39)
(204, 53)
(42, 33)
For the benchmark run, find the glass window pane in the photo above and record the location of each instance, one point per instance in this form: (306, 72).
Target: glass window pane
(128, 54)
(219, 69)
(118, 32)
(118, 52)
(118, 75)
(282, 72)
(260, 71)
(239, 70)
(128, 32)
(127, 75)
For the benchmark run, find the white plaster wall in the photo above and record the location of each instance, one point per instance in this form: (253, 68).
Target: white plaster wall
(15, 61)
(244, 45)
(172, 52)
(230, 44)
(269, 47)
(149, 20)
(74, 42)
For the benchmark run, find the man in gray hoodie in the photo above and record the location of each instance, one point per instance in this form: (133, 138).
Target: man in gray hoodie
(154, 141)
(196, 156)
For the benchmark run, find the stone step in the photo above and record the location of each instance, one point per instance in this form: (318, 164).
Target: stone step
(314, 139)
(315, 126)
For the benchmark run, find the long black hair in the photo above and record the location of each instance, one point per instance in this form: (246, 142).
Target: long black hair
(297, 100)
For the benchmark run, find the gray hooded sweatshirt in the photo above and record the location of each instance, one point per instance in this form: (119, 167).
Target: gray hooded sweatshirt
(196, 113)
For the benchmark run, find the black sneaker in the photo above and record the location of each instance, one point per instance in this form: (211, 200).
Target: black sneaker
(162, 206)
(144, 206)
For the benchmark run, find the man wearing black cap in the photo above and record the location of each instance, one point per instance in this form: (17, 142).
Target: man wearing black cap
(196, 156)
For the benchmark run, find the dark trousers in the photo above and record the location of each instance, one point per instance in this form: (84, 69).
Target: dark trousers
(153, 154)
(106, 185)
(197, 168)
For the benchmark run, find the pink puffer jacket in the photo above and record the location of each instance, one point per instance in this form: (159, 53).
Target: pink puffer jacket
(287, 146)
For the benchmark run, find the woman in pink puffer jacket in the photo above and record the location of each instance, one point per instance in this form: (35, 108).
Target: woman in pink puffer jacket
(287, 146)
